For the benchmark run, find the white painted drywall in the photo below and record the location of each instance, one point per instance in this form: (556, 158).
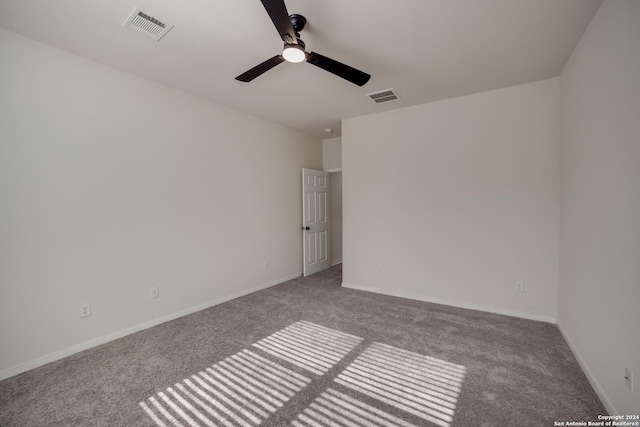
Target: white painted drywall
(457, 200)
(332, 162)
(336, 217)
(599, 290)
(332, 154)
(111, 184)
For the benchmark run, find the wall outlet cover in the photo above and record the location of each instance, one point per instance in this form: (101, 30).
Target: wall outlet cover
(628, 379)
(85, 309)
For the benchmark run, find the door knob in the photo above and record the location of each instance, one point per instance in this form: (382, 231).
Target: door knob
(306, 228)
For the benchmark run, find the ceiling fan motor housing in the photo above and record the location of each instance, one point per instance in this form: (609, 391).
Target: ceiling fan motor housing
(298, 22)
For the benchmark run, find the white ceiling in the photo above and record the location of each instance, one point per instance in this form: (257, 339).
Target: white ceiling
(425, 49)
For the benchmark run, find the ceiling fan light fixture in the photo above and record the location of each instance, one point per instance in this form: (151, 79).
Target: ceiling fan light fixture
(294, 53)
(289, 27)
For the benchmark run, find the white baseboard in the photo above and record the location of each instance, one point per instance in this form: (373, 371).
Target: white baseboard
(454, 303)
(336, 262)
(587, 371)
(52, 357)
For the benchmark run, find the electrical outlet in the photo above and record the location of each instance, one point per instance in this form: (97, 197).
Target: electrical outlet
(380, 269)
(85, 309)
(155, 292)
(265, 265)
(520, 286)
(628, 379)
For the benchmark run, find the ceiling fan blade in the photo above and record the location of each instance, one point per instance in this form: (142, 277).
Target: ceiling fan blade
(260, 69)
(277, 11)
(338, 68)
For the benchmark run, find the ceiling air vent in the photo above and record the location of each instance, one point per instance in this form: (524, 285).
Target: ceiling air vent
(147, 25)
(383, 96)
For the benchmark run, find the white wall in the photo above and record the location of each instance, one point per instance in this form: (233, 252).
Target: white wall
(457, 200)
(111, 184)
(599, 293)
(332, 154)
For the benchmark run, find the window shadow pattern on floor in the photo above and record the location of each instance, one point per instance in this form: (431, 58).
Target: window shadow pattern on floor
(386, 386)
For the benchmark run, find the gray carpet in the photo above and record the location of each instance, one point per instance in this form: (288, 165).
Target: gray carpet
(310, 353)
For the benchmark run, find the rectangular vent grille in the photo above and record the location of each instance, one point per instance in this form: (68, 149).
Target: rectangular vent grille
(383, 96)
(147, 25)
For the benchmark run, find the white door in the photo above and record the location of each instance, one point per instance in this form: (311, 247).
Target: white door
(315, 221)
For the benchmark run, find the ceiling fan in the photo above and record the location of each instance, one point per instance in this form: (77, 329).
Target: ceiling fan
(289, 28)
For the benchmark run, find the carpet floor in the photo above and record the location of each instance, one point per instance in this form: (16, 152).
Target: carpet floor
(311, 353)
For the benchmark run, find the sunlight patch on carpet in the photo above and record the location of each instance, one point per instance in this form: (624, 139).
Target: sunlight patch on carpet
(422, 386)
(309, 346)
(335, 408)
(241, 390)
(387, 386)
